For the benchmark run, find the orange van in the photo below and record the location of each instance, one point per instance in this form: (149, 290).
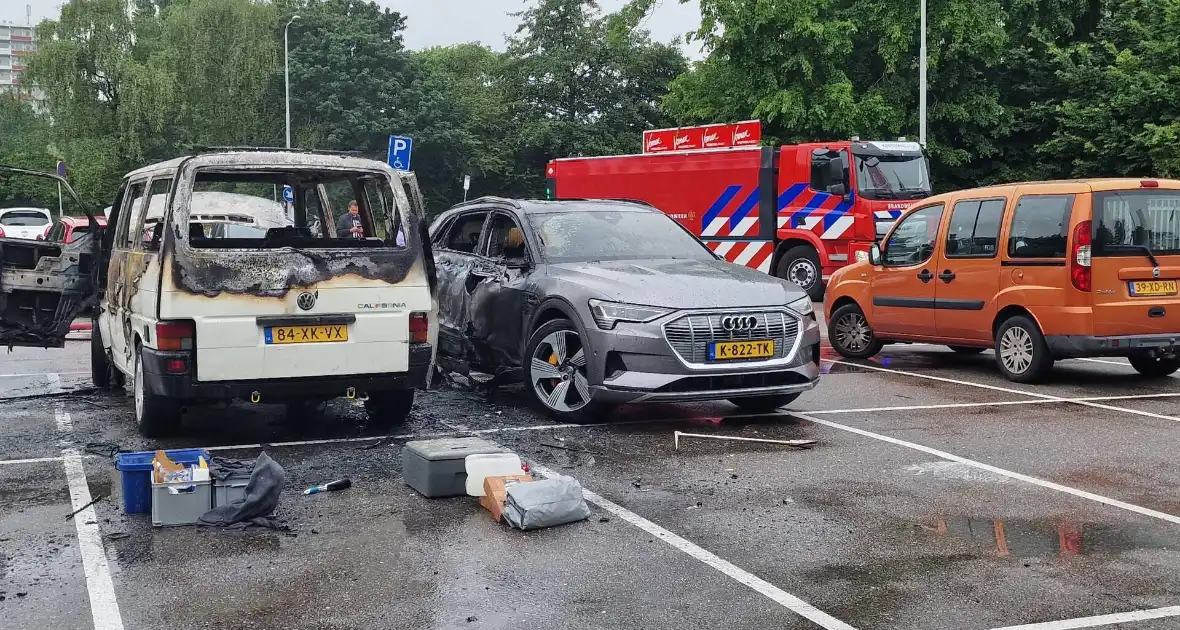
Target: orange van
(1039, 271)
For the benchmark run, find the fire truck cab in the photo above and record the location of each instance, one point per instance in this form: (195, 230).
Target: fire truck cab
(799, 212)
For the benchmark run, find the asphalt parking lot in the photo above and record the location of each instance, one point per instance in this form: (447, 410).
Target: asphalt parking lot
(939, 496)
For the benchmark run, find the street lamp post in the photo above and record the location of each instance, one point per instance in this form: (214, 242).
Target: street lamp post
(922, 80)
(287, 75)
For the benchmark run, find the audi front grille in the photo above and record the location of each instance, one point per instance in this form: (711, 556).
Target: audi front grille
(690, 335)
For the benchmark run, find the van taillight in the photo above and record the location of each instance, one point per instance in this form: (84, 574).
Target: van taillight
(1079, 261)
(174, 335)
(419, 326)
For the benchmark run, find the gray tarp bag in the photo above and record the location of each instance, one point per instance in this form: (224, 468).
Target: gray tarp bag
(545, 503)
(262, 496)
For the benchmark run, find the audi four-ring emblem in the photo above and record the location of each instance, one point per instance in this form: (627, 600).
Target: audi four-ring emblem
(739, 322)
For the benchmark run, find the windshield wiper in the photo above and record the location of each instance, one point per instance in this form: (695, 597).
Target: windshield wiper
(1136, 248)
(881, 193)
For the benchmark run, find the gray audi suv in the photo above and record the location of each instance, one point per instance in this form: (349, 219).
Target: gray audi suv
(599, 303)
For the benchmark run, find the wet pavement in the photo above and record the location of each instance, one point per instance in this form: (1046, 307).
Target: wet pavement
(938, 496)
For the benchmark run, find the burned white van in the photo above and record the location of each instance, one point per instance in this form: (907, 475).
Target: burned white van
(223, 276)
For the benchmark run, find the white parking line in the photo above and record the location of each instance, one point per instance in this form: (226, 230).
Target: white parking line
(999, 403)
(407, 436)
(32, 460)
(1008, 390)
(54, 381)
(1171, 518)
(45, 374)
(1106, 361)
(104, 608)
(774, 593)
(1100, 620)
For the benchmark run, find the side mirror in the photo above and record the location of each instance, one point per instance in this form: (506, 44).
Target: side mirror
(838, 189)
(836, 170)
(874, 254)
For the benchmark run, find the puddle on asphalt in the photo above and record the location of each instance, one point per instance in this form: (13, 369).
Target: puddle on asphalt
(1032, 538)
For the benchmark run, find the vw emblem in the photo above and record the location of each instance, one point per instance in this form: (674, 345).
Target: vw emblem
(306, 301)
(1155, 273)
(739, 322)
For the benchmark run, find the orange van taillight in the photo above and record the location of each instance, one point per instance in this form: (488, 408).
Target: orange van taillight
(174, 335)
(1079, 260)
(419, 326)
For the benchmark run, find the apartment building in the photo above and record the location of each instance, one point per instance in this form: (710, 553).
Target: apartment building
(16, 44)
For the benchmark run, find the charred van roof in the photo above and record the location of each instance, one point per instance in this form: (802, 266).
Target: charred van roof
(302, 159)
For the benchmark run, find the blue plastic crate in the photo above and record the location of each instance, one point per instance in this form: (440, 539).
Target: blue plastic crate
(136, 469)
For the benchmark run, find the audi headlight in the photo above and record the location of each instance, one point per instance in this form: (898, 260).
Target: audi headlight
(607, 314)
(802, 306)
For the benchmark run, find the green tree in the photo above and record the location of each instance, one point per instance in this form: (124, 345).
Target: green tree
(24, 143)
(831, 69)
(1120, 108)
(81, 63)
(461, 122)
(348, 74)
(584, 84)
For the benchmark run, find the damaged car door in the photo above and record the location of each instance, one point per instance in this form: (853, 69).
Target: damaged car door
(44, 286)
(499, 303)
(455, 259)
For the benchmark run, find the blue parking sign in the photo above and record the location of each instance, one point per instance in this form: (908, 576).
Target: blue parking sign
(399, 152)
(288, 194)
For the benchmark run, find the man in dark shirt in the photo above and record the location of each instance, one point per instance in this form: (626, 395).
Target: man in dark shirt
(349, 225)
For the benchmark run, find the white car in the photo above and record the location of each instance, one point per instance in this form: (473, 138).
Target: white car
(26, 223)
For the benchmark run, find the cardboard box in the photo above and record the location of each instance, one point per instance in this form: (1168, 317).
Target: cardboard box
(495, 490)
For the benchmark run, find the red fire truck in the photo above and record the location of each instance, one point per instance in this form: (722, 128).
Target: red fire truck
(798, 211)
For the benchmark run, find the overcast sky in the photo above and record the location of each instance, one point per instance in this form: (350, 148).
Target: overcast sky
(442, 22)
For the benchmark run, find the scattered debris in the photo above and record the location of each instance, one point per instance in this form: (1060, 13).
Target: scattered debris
(261, 499)
(733, 476)
(438, 468)
(117, 536)
(472, 618)
(331, 486)
(676, 435)
(545, 503)
(100, 497)
(565, 448)
(482, 465)
(495, 492)
(102, 449)
(605, 519)
(637, 482)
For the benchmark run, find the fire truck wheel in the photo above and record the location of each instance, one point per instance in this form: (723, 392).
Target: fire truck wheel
(800, 265)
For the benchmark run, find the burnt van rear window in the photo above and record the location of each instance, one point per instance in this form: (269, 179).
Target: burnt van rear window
(1129, 220)
(244, 210)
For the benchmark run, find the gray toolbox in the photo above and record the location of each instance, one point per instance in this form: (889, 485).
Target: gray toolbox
(180, 502)
(438, 468)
